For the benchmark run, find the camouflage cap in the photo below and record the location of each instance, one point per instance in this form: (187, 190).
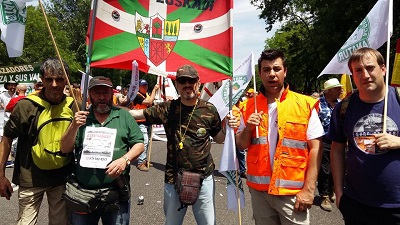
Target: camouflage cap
(187, 71)
(100, 81)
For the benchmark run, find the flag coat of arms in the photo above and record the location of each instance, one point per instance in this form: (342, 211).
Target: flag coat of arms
(372, 32)
(164, 35)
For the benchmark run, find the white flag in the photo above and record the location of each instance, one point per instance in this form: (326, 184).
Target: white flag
(228, 167)
(167, 90)
(83, 84)
(134, 86)
(12, 25)
(372, 32)
(241, 78)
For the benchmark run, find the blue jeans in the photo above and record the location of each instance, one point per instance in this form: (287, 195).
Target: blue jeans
(119, 217)
(146, 130)
(203, 209)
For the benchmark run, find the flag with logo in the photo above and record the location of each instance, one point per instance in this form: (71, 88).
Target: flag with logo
(162, 36)
(345, 80)
(396, 67)
(241, 78)
(372, 32)
(12, 25)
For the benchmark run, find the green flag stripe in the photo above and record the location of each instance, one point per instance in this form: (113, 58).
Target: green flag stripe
(220, 63)
(114, 41)
(132, 8)
(184, 15)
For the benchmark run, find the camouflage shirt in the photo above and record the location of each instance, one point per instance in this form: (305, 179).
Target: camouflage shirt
(195, 155)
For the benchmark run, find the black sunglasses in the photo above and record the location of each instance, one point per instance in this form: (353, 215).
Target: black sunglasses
(183, 80)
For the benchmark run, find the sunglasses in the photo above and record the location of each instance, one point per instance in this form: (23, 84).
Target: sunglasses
(183, 80)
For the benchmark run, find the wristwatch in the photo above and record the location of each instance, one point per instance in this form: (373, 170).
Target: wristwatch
(128, 162)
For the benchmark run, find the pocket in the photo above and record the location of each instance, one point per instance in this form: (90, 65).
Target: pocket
(75, 205)
(293, 167)
(296, 127)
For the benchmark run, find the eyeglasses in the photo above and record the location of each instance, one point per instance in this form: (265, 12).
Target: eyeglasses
(183, 80)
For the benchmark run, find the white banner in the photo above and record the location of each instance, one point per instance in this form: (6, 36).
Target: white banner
(134, 86)
(12, 25)
(372, 32)
(241, 78)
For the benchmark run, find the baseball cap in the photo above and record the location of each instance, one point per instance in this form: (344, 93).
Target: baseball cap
(187, 71)
(118, 88)
(142, 82)
(100, 81)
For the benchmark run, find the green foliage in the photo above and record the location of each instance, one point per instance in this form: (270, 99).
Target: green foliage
(312, 31)
(38, 44)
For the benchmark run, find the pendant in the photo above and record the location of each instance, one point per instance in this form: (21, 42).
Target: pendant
(180, 145)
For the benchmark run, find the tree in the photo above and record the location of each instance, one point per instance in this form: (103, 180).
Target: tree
(313, 31)
(38, 44)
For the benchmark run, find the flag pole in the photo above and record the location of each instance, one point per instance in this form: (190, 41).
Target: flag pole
(57, 52)
(89, 54)
(389, 31)
(236, 171)
(255, 90)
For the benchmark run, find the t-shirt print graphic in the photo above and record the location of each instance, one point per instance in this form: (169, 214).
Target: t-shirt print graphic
(368, 125)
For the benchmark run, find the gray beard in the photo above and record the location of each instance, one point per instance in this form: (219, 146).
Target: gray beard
(103, 110)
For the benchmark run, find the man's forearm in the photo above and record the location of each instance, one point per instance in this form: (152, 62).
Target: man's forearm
(337, 166)
(314, 163)
(5, 149)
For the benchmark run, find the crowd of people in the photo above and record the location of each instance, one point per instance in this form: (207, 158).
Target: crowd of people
(288, 144)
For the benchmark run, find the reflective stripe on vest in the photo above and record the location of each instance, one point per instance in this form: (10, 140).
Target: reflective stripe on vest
(258, 179)
(259, 141)
(288, 183)
(294, 144)
(278, 183)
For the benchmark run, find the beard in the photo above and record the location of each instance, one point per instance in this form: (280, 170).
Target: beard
(101, 107)
(188, 95)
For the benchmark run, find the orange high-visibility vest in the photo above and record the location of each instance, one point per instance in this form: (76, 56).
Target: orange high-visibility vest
(291, 155)
(141, 106)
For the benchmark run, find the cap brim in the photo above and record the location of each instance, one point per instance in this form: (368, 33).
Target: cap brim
(107, 85)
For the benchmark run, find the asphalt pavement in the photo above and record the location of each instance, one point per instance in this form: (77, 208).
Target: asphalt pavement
(150, 185)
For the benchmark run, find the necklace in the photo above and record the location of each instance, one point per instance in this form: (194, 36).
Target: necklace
(182, 136)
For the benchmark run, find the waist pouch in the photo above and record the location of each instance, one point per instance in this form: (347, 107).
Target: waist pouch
(79, 199)
(188, 185)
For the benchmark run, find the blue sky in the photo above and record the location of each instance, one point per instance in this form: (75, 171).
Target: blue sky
(249, 32)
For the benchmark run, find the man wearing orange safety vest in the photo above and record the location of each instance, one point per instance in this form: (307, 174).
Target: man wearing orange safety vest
(283, 158)
(142, 101)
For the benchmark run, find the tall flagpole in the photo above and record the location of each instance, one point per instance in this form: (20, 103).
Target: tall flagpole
(389, 31)
(89, 54)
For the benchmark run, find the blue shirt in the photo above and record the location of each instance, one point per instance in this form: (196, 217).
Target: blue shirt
(371, 173)
(325, 111)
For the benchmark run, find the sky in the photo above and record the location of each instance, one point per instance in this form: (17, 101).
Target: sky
(249, 32)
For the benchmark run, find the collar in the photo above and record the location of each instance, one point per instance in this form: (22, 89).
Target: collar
(284, 93)
(113, 114)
